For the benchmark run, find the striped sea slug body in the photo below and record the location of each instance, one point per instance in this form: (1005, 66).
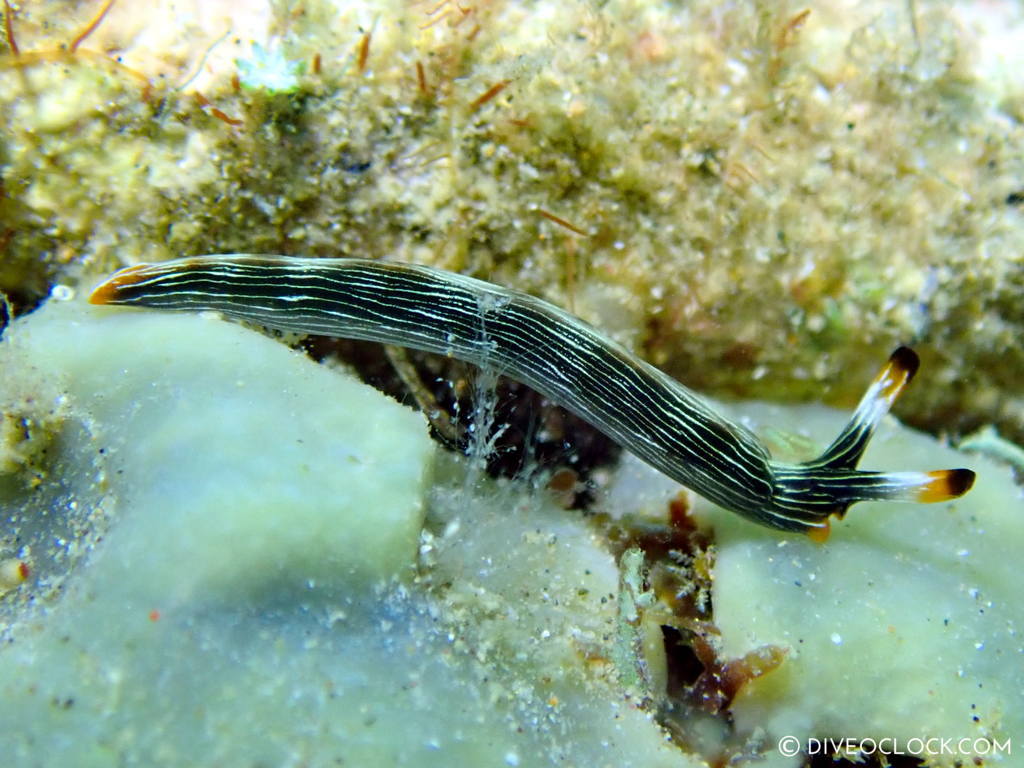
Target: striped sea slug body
(560, 356)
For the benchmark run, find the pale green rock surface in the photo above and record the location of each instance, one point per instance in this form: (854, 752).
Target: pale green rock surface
(255, 584)
(249, 596)
(251, 462)
(907, 623)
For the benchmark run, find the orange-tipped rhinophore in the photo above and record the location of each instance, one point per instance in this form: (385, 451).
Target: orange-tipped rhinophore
(945, 484)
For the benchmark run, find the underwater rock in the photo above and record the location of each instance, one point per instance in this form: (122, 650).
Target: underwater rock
(754, 196)
(255, 464)
(905, 625)
(251, 598)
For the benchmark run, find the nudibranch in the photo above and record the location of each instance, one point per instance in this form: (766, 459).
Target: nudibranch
(532, 341)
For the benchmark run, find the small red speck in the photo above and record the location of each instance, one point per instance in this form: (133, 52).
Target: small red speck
(364, 51)
(224, 118)
(679, 514)
(23, 570)
(154, 615)
(489, 94)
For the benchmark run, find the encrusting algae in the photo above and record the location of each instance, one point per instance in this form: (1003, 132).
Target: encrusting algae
(758, 197)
